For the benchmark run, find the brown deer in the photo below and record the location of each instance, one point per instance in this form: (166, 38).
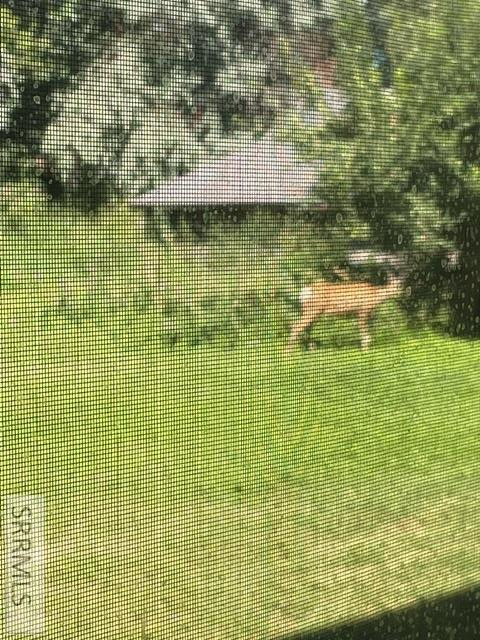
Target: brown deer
(341, 299)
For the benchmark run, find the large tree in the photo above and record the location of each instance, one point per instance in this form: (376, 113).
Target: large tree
(20, 59)
(404, 164)
(161, 85)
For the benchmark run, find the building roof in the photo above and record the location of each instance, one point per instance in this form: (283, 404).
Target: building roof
(262, 172)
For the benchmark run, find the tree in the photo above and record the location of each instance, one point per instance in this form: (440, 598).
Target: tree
(18, 57)
(9, 93)
(438, 80)
(48, 42)
(167, 86)
(403, 164)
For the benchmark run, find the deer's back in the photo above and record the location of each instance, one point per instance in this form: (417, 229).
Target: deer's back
(343, 297)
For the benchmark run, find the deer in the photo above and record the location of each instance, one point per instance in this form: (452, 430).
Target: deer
(359, 299)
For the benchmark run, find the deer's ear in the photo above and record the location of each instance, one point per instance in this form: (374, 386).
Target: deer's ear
(341, 273)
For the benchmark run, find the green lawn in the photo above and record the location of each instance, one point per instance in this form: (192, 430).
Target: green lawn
(211, 493)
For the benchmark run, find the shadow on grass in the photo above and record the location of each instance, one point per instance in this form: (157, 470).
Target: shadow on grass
(456, 617)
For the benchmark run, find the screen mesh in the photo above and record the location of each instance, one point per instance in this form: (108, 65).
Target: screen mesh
(239, 319)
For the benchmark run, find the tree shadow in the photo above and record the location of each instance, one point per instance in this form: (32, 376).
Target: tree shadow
(454, 617)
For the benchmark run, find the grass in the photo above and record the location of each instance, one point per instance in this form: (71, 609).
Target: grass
(222, 488)
(209, 493)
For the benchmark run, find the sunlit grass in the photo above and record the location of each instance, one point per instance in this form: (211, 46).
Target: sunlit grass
(248, 491)
(201, 482)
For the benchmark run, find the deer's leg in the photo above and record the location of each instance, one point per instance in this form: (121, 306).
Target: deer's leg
(365, 338)
(298, 328)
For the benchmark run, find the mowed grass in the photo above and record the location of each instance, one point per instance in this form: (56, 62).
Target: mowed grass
(240, 493)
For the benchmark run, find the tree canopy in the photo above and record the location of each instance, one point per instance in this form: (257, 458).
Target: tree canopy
(403, 165)
(125, 93)
(120, 94)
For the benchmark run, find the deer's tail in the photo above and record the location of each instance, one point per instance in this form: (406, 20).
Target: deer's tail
(306, 294)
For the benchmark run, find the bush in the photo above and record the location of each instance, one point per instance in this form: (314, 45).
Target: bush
(103, 271)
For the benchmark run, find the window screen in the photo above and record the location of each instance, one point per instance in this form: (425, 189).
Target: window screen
(239, 319)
